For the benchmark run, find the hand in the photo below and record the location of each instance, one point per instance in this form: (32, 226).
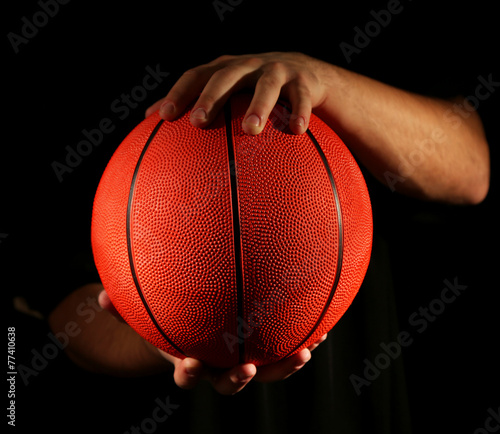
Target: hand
(188, 371)
(300, 79)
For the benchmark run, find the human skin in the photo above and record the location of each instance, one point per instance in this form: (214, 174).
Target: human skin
(385, 128)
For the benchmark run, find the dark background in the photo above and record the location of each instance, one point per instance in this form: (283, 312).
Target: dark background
(64, 80)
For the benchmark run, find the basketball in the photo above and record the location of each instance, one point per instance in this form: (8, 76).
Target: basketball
(227, 247)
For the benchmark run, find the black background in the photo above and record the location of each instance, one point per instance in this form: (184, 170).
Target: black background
(64, 80)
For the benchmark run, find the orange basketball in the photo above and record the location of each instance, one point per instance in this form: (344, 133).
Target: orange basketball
(227, 247)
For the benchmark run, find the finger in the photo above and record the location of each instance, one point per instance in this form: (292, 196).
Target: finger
(300, 98)
(219, 87)
(232, 381)
(182, 93)
(188, 87)
(187, 372)
(284, 368)
(156, 106)
(267, 92)
(319, 341)
(105, 302)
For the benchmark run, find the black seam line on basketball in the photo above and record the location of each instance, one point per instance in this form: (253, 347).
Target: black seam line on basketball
(129, 241)
(340, 250)
(236, 231)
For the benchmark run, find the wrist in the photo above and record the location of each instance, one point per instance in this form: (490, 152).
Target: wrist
(335, 92)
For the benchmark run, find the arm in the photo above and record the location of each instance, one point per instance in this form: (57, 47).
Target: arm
(107, 345)
(407, 141)
(104, 344)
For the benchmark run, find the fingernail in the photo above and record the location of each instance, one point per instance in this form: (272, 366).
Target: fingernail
(297, 367)
(192, 371)
(253, 120)
(305, 359)
(247, 373)
(300, 122)
(300, 365)
(167, 109)
(243, 377)
(199, 114)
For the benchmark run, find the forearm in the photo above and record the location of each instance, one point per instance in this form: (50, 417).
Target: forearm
(103, 344)
(412, 143)
(407, 141)
(100, 343)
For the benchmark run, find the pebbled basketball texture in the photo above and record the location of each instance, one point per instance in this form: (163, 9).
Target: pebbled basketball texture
(227, 247)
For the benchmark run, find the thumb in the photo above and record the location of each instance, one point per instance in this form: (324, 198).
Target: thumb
(105, 302)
